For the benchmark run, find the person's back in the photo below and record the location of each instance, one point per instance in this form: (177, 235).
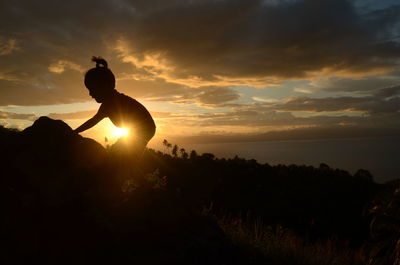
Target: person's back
(125, 111)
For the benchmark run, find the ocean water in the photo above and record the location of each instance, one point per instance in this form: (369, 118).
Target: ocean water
(381, 156)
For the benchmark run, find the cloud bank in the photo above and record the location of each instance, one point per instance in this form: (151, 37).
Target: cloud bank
(205, 52)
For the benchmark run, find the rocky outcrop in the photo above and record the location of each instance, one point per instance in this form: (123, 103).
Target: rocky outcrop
(62, 204)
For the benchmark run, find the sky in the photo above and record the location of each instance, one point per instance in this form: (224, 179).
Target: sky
(209, 70)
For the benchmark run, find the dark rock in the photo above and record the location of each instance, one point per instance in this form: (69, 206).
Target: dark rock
(62, 204)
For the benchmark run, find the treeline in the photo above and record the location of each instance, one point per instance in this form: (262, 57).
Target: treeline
(318, 202)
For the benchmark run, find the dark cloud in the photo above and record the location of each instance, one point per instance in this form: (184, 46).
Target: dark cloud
(217, 95)
(311, 133)
(360, 85)
(246, 39)
(281, 126)
(210, 96)
(388, 92)
(151, 89)
(269, 118)
(383, 101)
(200, 51)
(44, 89)
(159, 48)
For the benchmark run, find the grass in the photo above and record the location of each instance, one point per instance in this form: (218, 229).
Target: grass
(282, 246)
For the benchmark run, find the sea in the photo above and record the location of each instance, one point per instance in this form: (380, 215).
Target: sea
(380, 156)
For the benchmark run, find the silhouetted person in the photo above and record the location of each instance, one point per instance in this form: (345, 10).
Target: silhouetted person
(122, 110)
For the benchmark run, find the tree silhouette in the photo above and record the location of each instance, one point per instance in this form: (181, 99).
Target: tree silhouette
(175, 151)
(184, 155)
(165, 143)
(193, 155)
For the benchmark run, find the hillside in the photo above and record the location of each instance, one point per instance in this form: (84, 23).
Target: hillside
(64, 201)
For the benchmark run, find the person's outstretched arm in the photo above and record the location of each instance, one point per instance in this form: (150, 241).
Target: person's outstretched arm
(90, 123)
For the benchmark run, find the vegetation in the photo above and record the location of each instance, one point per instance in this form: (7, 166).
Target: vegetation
(319, 202)
(280, 245)
(64, 198)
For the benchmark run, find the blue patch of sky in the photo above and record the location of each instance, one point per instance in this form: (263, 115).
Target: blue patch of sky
(366, 6)
(277, 2)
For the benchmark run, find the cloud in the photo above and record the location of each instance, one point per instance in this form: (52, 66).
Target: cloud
(161, 115)
(210, 96)
(258, 124)
(170, 46)
(216, 95)
(7, 46)
(251, 43)
(308, 133)
(59, 66)
(359, 85)
(47, 89)
(383, 101)
(73, 115)
(4, 115)
(205, 53)
(86, 114)
(302, 90)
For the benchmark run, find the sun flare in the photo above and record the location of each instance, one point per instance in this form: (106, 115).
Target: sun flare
(119, 132)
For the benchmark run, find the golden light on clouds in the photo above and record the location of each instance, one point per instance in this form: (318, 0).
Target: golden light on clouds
(60, 66)
(155, 65)
(216, 68)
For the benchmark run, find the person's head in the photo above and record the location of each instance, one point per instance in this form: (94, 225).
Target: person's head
(100, 80)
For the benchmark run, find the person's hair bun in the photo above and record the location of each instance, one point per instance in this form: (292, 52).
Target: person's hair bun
(99, 61)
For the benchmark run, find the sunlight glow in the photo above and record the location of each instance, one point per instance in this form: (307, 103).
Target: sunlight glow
(119, 132)
(106, 133)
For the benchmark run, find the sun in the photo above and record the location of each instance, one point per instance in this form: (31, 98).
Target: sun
(119, 132)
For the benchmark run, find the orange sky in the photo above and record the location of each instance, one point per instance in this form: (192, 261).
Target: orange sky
(240, 69)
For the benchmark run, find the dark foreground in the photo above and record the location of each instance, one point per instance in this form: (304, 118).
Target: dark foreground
(64, 202)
